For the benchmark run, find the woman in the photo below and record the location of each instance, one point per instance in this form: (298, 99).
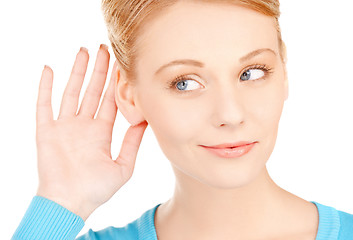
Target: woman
(210, 79)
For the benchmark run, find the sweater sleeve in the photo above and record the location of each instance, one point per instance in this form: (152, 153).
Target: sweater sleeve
(46, 219)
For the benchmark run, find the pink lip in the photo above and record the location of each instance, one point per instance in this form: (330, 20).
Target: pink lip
(230, 145)
(223, 150)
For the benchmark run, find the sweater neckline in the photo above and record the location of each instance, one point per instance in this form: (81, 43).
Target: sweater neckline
(329, 223)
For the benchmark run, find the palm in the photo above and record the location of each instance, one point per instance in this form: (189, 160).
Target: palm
(83, 146)
(75, 165)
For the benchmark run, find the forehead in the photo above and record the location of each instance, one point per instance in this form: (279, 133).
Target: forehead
(204, 31)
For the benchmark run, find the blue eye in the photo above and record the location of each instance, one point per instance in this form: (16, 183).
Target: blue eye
(184, 84)
(252, 74)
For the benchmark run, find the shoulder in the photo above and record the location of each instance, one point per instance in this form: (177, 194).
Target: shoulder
(346, 225)
(141, 228)
(333, 223)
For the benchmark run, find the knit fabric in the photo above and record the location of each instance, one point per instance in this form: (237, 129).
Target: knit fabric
(45, 219)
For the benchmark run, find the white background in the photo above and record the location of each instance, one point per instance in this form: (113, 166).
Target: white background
(313, 156)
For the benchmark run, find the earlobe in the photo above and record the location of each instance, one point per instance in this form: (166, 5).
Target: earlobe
(124, 98)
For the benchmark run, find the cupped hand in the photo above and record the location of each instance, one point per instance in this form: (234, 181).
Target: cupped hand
(75, 166)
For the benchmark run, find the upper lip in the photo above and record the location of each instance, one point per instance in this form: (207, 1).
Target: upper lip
(230, 145)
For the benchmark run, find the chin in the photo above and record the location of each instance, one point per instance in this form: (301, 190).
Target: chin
(230, 178)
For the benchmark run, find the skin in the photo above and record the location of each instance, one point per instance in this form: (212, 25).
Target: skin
(215, 198)
(75, 165)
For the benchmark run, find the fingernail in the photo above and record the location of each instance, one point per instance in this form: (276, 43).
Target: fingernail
(83, 49)
(103, 46)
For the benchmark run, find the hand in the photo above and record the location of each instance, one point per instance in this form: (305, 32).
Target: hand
(75, 166)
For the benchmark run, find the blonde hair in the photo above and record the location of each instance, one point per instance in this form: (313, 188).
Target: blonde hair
(125, 18)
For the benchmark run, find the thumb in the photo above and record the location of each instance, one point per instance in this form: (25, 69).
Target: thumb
(129, 148)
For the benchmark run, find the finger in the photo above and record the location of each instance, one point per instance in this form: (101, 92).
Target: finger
(72, 91)
(95, 87)
(44, 108)
(129, 148)
(108, 108)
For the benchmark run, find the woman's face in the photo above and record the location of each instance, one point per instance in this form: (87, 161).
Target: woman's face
(233, 89)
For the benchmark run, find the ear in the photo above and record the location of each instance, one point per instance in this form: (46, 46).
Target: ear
(124, 98)
(284, 55)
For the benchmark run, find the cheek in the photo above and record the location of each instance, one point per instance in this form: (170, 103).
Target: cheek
(266, 106)
(266, 113)
(172, 121)
(174, 127)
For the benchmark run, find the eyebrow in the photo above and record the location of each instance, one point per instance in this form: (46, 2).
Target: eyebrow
(201, 65)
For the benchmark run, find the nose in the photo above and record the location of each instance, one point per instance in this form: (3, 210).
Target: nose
(227, 107)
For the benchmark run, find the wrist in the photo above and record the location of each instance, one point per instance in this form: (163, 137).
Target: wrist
(77, 207)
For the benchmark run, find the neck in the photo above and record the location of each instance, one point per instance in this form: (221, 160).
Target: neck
(203, 209)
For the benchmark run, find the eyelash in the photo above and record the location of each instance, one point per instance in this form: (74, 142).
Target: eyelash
(267, 71)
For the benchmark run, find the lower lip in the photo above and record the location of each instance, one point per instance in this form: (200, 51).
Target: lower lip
(231, 152)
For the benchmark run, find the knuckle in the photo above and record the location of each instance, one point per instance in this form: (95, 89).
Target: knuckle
(109, 98)
(72, 92)
(44, 103)
(93, 92)
(99, 72)
(78, 73)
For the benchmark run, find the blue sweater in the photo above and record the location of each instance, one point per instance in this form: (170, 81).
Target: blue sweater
(45, 219)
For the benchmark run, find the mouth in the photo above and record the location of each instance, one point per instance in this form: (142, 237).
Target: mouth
(230, 150)
(230, 145)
